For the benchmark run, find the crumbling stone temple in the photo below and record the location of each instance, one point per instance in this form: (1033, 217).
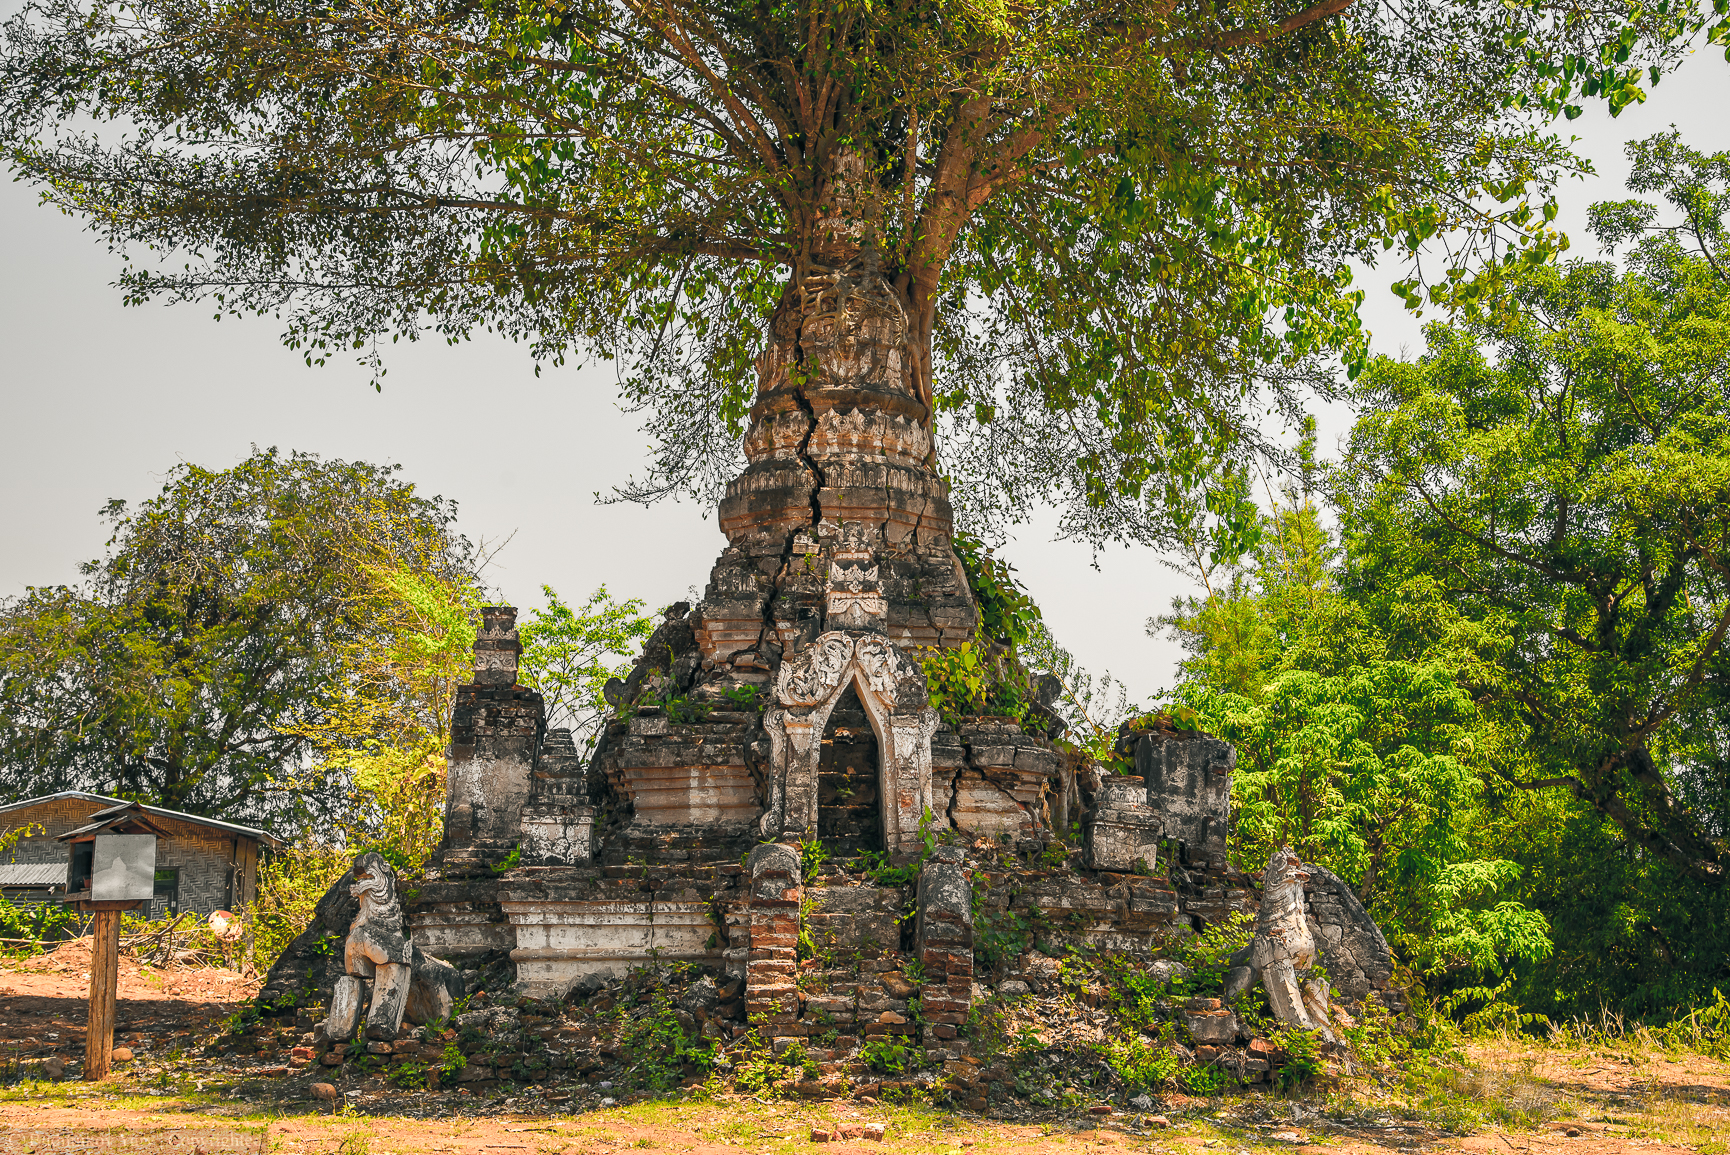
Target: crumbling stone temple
(773, 795)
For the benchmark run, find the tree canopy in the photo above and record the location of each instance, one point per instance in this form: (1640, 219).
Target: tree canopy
(1497, 704)
(570, 652)
(1116, 231)
(252, 636)
(1575, 492)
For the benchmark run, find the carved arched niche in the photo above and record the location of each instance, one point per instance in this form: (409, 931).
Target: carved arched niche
(891, 687)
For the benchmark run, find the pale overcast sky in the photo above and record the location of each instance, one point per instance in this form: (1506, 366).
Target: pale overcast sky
(99, 401)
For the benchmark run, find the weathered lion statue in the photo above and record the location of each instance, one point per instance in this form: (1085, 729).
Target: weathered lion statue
(1283, 950)
(405, 982)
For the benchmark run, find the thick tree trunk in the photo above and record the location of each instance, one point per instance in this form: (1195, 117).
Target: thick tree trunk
(840, 461)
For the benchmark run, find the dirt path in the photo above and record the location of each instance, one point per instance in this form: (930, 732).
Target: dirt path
(727, 1127)
(44, 1000)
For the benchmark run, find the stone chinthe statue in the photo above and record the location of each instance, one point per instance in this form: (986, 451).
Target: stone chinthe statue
(405, 982)
(1282, 950)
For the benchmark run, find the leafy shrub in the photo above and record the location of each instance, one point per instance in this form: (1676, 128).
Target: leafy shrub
(1142, 1064)
(1302, 1061)
(1704, 1030)
(1135, 994)
(659, 1045)
(956, 680)
(1494, 1015)
(756, 1071)
(1375, 1040)
(746, 698)
(1001, 935)
(882, 873)
(1006, 610)
(1206, 954)
(796, 1058)
(1204, 1079)
(885, 1056)
(290, 883)
(34, 923)
(812, 857)
(571, 651)
(985, 676)
(407, 1075)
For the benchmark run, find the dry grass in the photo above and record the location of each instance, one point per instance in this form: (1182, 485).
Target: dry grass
(1605, 1074)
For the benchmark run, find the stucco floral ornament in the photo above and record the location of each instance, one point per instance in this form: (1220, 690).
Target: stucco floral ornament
(811, 676)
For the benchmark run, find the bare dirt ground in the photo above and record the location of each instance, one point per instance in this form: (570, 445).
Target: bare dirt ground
(1612, 1097)
(43, 1002)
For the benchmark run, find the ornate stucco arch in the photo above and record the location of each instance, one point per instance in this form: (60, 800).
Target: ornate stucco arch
(891, 687)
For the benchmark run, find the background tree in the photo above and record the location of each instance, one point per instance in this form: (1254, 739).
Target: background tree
(385, 729)
(1367, 753)
(378, 748)
(570, 653)
(1575, 491)
(211, 656)
(1094, 237)
(1533, 519)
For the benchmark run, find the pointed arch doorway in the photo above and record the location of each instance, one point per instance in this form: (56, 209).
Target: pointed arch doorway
(849, 786)
(890, 689)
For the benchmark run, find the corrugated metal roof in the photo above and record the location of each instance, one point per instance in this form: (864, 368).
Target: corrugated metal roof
(265, 837)
(33, 874)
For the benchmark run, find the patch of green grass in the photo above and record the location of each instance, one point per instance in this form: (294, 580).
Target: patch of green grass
(356, 1142)
(1465, 1097)
(913, 1113)
(738, 1128)
(656, 1113)
(114, 1094)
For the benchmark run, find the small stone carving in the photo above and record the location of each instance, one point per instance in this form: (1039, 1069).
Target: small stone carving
(855, 600)
(881, 664)
(1125, 832)
(405, 982)
(1283, 949)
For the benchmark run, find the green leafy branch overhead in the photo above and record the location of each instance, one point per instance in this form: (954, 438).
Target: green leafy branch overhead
(1117, 234)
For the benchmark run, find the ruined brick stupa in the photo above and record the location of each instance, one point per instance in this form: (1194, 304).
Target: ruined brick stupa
(788, 708)
(789, 705)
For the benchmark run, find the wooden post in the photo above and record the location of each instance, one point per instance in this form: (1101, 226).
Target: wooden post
(104, 992)
(104, 985)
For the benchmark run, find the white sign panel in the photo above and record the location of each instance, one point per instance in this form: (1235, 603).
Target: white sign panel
(124, 869)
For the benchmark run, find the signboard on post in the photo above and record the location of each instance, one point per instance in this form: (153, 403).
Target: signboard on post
(123, 868)
(110, 867)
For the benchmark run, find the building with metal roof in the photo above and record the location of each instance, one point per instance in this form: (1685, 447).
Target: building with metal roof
(202, 864)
